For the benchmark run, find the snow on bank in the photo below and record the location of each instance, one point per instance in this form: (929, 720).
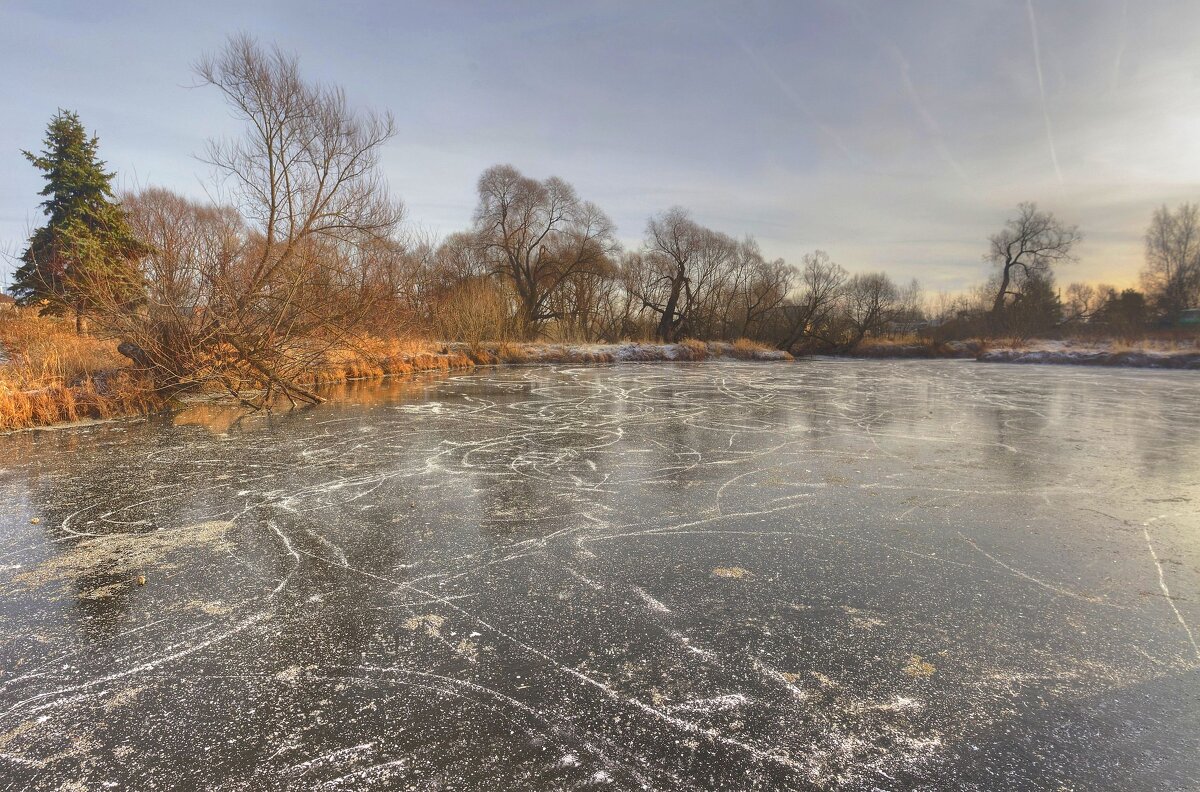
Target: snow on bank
(625, 353)
(1148, 354)
(1101, 354)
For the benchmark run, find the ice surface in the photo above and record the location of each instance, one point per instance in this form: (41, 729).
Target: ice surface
(827, 574)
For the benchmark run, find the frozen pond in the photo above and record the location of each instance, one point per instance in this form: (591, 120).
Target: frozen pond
(828, 574)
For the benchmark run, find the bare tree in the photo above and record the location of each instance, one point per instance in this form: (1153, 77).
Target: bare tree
(751, 292)
(461, 257)
(195, 254)
(1082, 301)
(321, 224)
(539, 235)
(1172, 274)
(189, 242)
(910, 303)
(578, 301)
(869, 302)
(683, 265)
(449, 288)
(619, 312)
(1030, 245)
(673, 240)
(807, 313)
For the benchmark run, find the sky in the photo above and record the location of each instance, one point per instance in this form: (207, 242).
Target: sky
(896, 136)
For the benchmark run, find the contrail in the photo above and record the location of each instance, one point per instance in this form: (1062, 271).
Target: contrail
(1120, 45)
(797, 100)
(931, 124)
(1037, 62)
(860, 20)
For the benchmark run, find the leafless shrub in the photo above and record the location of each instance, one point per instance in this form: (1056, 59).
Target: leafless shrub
(259, 302)
(475, 310)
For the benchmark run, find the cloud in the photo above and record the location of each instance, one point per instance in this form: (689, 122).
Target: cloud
(894, 136)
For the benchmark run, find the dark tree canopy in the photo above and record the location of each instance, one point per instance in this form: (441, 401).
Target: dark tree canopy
(86, 251)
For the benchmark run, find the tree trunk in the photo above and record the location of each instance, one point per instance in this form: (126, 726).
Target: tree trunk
(529, 319)
(1005, 280)
(666, 325)
(136, 354)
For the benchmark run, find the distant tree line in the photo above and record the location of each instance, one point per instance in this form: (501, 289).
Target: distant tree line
(1022, 298)
(310, 252)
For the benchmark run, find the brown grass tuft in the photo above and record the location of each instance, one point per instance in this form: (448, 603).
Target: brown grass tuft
(746, 349)
(512, 353)
(692, 349)
(374, 358)
(49, 374)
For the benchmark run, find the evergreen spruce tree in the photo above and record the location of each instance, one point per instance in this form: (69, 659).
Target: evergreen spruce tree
(86, 255)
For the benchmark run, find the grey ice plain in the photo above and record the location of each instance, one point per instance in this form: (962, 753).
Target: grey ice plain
(827, 575)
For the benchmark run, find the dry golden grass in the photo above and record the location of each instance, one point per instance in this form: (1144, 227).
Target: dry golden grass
(52, 374)
(691, 349)
(374, 358)
(48, 349)
(914, 346)
(1167, 343)
(746, 349)
(512, 353)
(899, 340)
(896, 346)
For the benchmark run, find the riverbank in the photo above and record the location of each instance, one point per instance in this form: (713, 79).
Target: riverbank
(49, 375)
(628, 352)
(1150, 353)
(1146, 355)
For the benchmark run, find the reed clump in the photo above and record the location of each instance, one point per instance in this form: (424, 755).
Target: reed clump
(369, 358)
(50, 374)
